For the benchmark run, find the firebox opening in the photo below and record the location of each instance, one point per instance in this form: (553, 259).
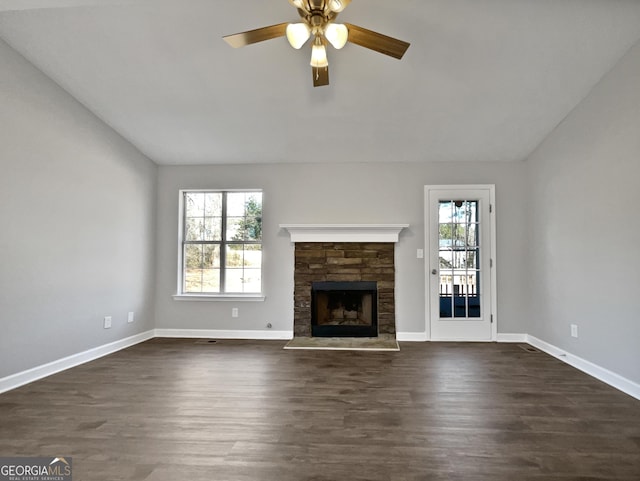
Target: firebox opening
(344, 309)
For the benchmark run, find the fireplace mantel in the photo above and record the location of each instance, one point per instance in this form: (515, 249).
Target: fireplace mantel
(344, 232)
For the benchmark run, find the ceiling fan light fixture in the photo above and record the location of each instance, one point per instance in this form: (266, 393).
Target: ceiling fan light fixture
(297, 3)
(337, 34)
(319, 55)
(298, 34)
(338, 5)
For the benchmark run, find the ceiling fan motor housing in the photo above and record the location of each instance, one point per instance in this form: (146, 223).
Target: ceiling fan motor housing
(317, 20)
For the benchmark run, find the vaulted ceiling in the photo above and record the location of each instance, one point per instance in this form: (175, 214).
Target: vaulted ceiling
(483, 80)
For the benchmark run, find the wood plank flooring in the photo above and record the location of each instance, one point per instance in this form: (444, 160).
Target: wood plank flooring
(249, 410)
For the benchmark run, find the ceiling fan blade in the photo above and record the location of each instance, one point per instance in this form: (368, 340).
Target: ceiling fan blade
(376, 41)
(320, 76)
(258, 35)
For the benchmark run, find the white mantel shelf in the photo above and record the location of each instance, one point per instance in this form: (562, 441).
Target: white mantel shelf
(344, 232)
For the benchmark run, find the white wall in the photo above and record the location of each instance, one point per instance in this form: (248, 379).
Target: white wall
(338, 193)
(584, 226)
(77, 217)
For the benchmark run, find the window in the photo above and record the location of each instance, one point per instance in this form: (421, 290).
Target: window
(221, 242)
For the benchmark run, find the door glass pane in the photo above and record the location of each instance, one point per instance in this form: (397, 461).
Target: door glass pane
(472, 235)
(445, 212)
(466, 259)
(459, 255)
(473, 295)
(459, 259)
(446, 290)
(446, 239)
(459, 295)
(446, 259)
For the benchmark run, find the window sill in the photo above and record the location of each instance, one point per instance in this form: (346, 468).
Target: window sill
(219, 297)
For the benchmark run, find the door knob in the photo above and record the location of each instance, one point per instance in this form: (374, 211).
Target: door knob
(434, 272)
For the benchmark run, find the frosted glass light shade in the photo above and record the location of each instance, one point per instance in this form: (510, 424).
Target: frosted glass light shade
(296, 3)
(338, 5)
(337, 34)
(319, 56)
(298, 34)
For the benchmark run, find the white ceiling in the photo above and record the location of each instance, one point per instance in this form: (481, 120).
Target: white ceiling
(483, 80)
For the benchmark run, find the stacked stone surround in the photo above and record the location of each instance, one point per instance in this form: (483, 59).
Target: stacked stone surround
(344, 261)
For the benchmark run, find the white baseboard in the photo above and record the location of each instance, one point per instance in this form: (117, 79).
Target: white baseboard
(25, 377)
(411, 336)
(422, 337)
(508, 337)
(611, 378)
(220, 334)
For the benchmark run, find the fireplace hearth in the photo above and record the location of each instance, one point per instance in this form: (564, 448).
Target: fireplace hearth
(344, 309)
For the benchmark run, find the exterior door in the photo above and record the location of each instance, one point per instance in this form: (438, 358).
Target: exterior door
(460, 266)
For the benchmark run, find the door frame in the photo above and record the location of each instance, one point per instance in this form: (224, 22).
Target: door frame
(493, 297)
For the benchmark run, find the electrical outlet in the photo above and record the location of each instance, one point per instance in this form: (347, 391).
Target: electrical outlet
(574, 330)
(234, 312)
(130, 317)
(420, 254)
(107, 322)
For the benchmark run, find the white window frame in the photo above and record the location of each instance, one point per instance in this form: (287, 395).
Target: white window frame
(182, 296)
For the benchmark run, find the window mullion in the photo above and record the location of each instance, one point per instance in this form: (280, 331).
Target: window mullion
(223, 245)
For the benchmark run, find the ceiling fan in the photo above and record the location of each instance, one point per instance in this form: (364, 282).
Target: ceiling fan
(318, 20)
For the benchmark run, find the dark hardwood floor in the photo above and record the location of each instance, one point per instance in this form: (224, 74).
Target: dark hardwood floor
(249, 410)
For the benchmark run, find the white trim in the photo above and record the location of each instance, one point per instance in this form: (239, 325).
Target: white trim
(494, 261)
(508, 337)
(344, 232)
(459, 339)
(411, 336)
(219, 298)
(30, 375)
(609, 377)
(225, 334)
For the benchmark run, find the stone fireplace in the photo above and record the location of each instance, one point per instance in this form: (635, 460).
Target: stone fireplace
(334, 259)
